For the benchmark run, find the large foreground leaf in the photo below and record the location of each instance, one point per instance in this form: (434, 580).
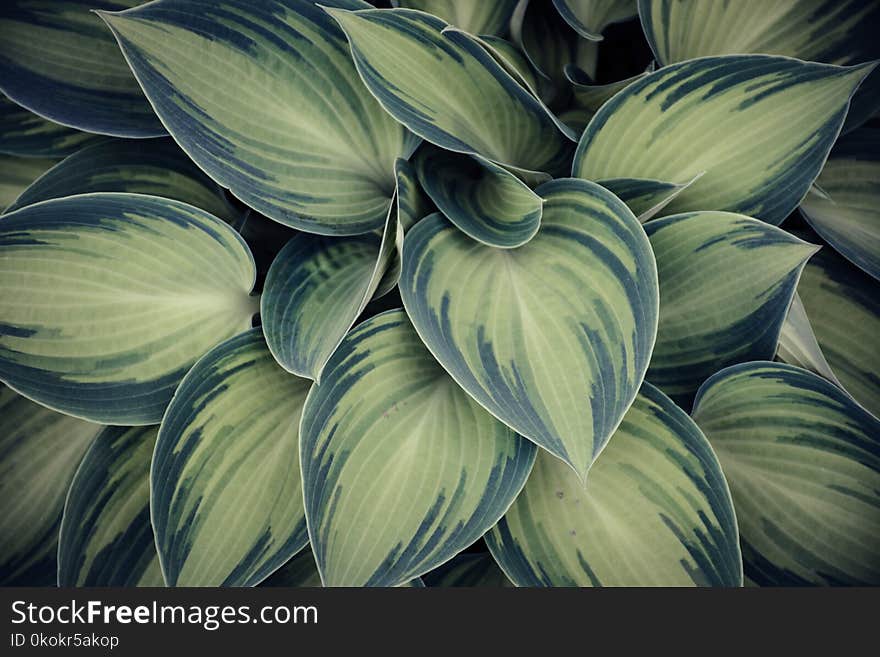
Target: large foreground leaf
(302, 571)
(843, 304)
(226, 492)
(845, 209)
(803, 463)
(106, 538)
(108, 299)
(553, 337)
(451, 91)
(143, 166)
(474, 16)
(41, 450)
(57, 59)
(264, 97)
(29, 135)
(656, 511)
(401, 469)
(761, 164)
(726, 282)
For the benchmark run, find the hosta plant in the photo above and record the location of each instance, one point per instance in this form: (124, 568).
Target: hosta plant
(439, 293)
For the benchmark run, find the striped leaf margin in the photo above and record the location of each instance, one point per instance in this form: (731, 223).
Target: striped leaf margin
(26, 134)
(226, 494)
(803, 463)
(401, 469)
(41, 450)
(656, 511)
(644, 197)
(265, 99)
(58, 60)
(726, 281)
(554, 337)
(106, 538)
(760, 165)
(137, 286)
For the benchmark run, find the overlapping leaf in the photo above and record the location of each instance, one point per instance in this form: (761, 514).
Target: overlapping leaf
(844, 206)
(265, 99)
(646, 197)
(803, 463)
(656, 511)
(18, 173)
(58, 60)
(401, 469)
(553, 337)
(154, 166)
(590, 17)
(108, 299)
(106, 538)
(26, 134)
(798, 344)
(474, 16)
(41, 450)
(666, 127)
(226, 489)
(726, 282)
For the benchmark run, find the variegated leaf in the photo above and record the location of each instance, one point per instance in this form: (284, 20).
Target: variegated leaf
(590, 17)
(452, 90)
(226, 490)
(474, 16)
(468, 570)
(315, 290)
(108, 299)
(265, 99)
(553, 337)
(484, 200)
(592, 96)
(843, 304)
(18, 173)
(798, 344)
(401, 469)
(845, 209)
(761, 164)
(143, 166)
(412, 202)
(726, 281)
(41, 450)
(512, 60)
(26, 134)
(302, 571)
(58, 60)
(656, 511)
(803, 463)
(106, 538)
(645, 197)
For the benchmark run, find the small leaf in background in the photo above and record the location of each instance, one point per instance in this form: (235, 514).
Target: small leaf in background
(41, 450)
(18, 173)
(474, 16)
(645, 197)
(726, 282)
(25, 134)
(761, 164)
(226, 489)
(142, 166)
(803, 463)
(451, 90)
(845, 209)
(798, 344)
(401, 469)
(106, 538)
(58, 60)
(554, 337)
(467, 570)
(487, 202)
(305, 144)
(656, 511)
(843, 305)
(590, 17)
(132, 290)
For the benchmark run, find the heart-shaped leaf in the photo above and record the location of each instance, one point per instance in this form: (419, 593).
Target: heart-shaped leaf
(41, 450)
(484, 200)
(590, 17)
(474, 16)
(553, 337)
(803, 463)
(26, 134)
(845, 210)
(226, 489)
(106, 538)
(468, 570)
(154, 166)
(452, 90)
(726, 281)
(656, 511)
(265, 99)
(58, 60)
(18, 173)
(401, 469)
(760, 165)
(132, 289)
